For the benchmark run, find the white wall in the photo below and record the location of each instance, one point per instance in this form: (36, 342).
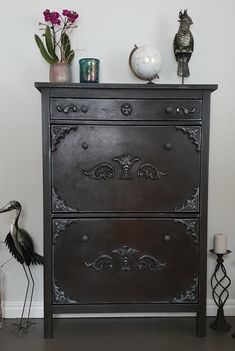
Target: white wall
(108, 30)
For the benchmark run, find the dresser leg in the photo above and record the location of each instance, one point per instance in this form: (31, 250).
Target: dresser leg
(48, 327)
(201, 324)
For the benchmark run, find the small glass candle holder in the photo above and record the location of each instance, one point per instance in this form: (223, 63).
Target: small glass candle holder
(89, 70)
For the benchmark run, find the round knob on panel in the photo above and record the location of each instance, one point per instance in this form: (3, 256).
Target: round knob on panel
(167, 237)
(168, 146)
(168, 109)
(85, 238)
(84, 145)
(84, 108)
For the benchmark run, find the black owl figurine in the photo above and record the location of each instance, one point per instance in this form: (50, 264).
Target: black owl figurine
(183, 45)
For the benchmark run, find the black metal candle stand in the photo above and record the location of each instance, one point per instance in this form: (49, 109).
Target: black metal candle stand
(220, 283)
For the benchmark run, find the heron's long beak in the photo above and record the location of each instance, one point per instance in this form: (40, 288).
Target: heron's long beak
(6, 208)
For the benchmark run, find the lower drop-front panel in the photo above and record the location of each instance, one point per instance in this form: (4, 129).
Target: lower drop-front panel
(139, 260)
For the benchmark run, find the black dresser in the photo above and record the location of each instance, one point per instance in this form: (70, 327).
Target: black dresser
(125, 170)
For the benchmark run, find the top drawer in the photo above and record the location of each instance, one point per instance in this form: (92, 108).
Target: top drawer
(106, 109)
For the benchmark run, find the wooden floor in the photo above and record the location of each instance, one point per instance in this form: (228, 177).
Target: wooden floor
(132, 334)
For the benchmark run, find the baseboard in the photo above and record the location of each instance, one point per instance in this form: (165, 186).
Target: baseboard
(14, 309)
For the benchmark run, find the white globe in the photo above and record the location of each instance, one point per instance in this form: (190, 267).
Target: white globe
(145, 61)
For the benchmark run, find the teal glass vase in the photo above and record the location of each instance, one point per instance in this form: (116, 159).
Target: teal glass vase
(89, 70)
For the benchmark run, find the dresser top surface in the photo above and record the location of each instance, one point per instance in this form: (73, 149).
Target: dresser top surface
(43, 85)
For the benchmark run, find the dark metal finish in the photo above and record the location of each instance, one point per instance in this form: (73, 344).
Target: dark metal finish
(191, 228)
(194, 134)
(85, 145)
(59, 296)
(20, 245)
(84, 108)
(169, 109)
(149, 171)
(60, 205)
(126, 109)
(59, 133)
(67, 109)
(126, 162)
(129, 259)
(190, 295)
(168, 146)
(191, 204)
(183, 44)
(92, 254)
(185, 110)
(100, 171)
(220, 283)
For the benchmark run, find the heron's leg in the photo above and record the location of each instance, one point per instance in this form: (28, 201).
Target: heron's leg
(26, 294)
(31, 298)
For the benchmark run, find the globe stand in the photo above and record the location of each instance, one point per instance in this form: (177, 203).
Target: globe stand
(219, 284)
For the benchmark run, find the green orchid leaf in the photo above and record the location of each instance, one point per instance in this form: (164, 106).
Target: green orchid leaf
(71, 56)
(43, 50)
(65, 42)
(50, 44)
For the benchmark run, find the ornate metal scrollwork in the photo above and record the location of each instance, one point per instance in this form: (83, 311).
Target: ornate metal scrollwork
(60, 205)
(191, 205)
(190, 295)
(149, 171)
(60, 297)
(191, 227)
(126, 259)
(103, 262)
(150, 263)
(125, 161)
(58, 133)
(185, 110)
(100, 171)
(125, 254)
(193, 134)
(60, 226)
(67, 109)
(126, 109)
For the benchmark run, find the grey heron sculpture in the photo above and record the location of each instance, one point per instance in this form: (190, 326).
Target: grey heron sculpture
(20, 245)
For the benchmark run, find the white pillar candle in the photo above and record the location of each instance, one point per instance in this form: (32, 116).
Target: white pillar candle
(220, 243)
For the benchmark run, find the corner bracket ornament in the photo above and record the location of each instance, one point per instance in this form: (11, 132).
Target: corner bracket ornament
(194, 134)
(60, 297)
(60, 226)
(191, 227)
(191, 205)
(58, 133)
(190, 294)
(58, 204)
(126, 259)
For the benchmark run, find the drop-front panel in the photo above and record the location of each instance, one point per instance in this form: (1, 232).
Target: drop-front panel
(125, 198)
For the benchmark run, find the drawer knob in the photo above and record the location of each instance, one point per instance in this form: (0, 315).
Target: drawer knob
(84, 145)
(85, 238)
(168, 146)
(126, 110)
(167, 237)
(168, 109)
(84, 108)
(185, 110)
